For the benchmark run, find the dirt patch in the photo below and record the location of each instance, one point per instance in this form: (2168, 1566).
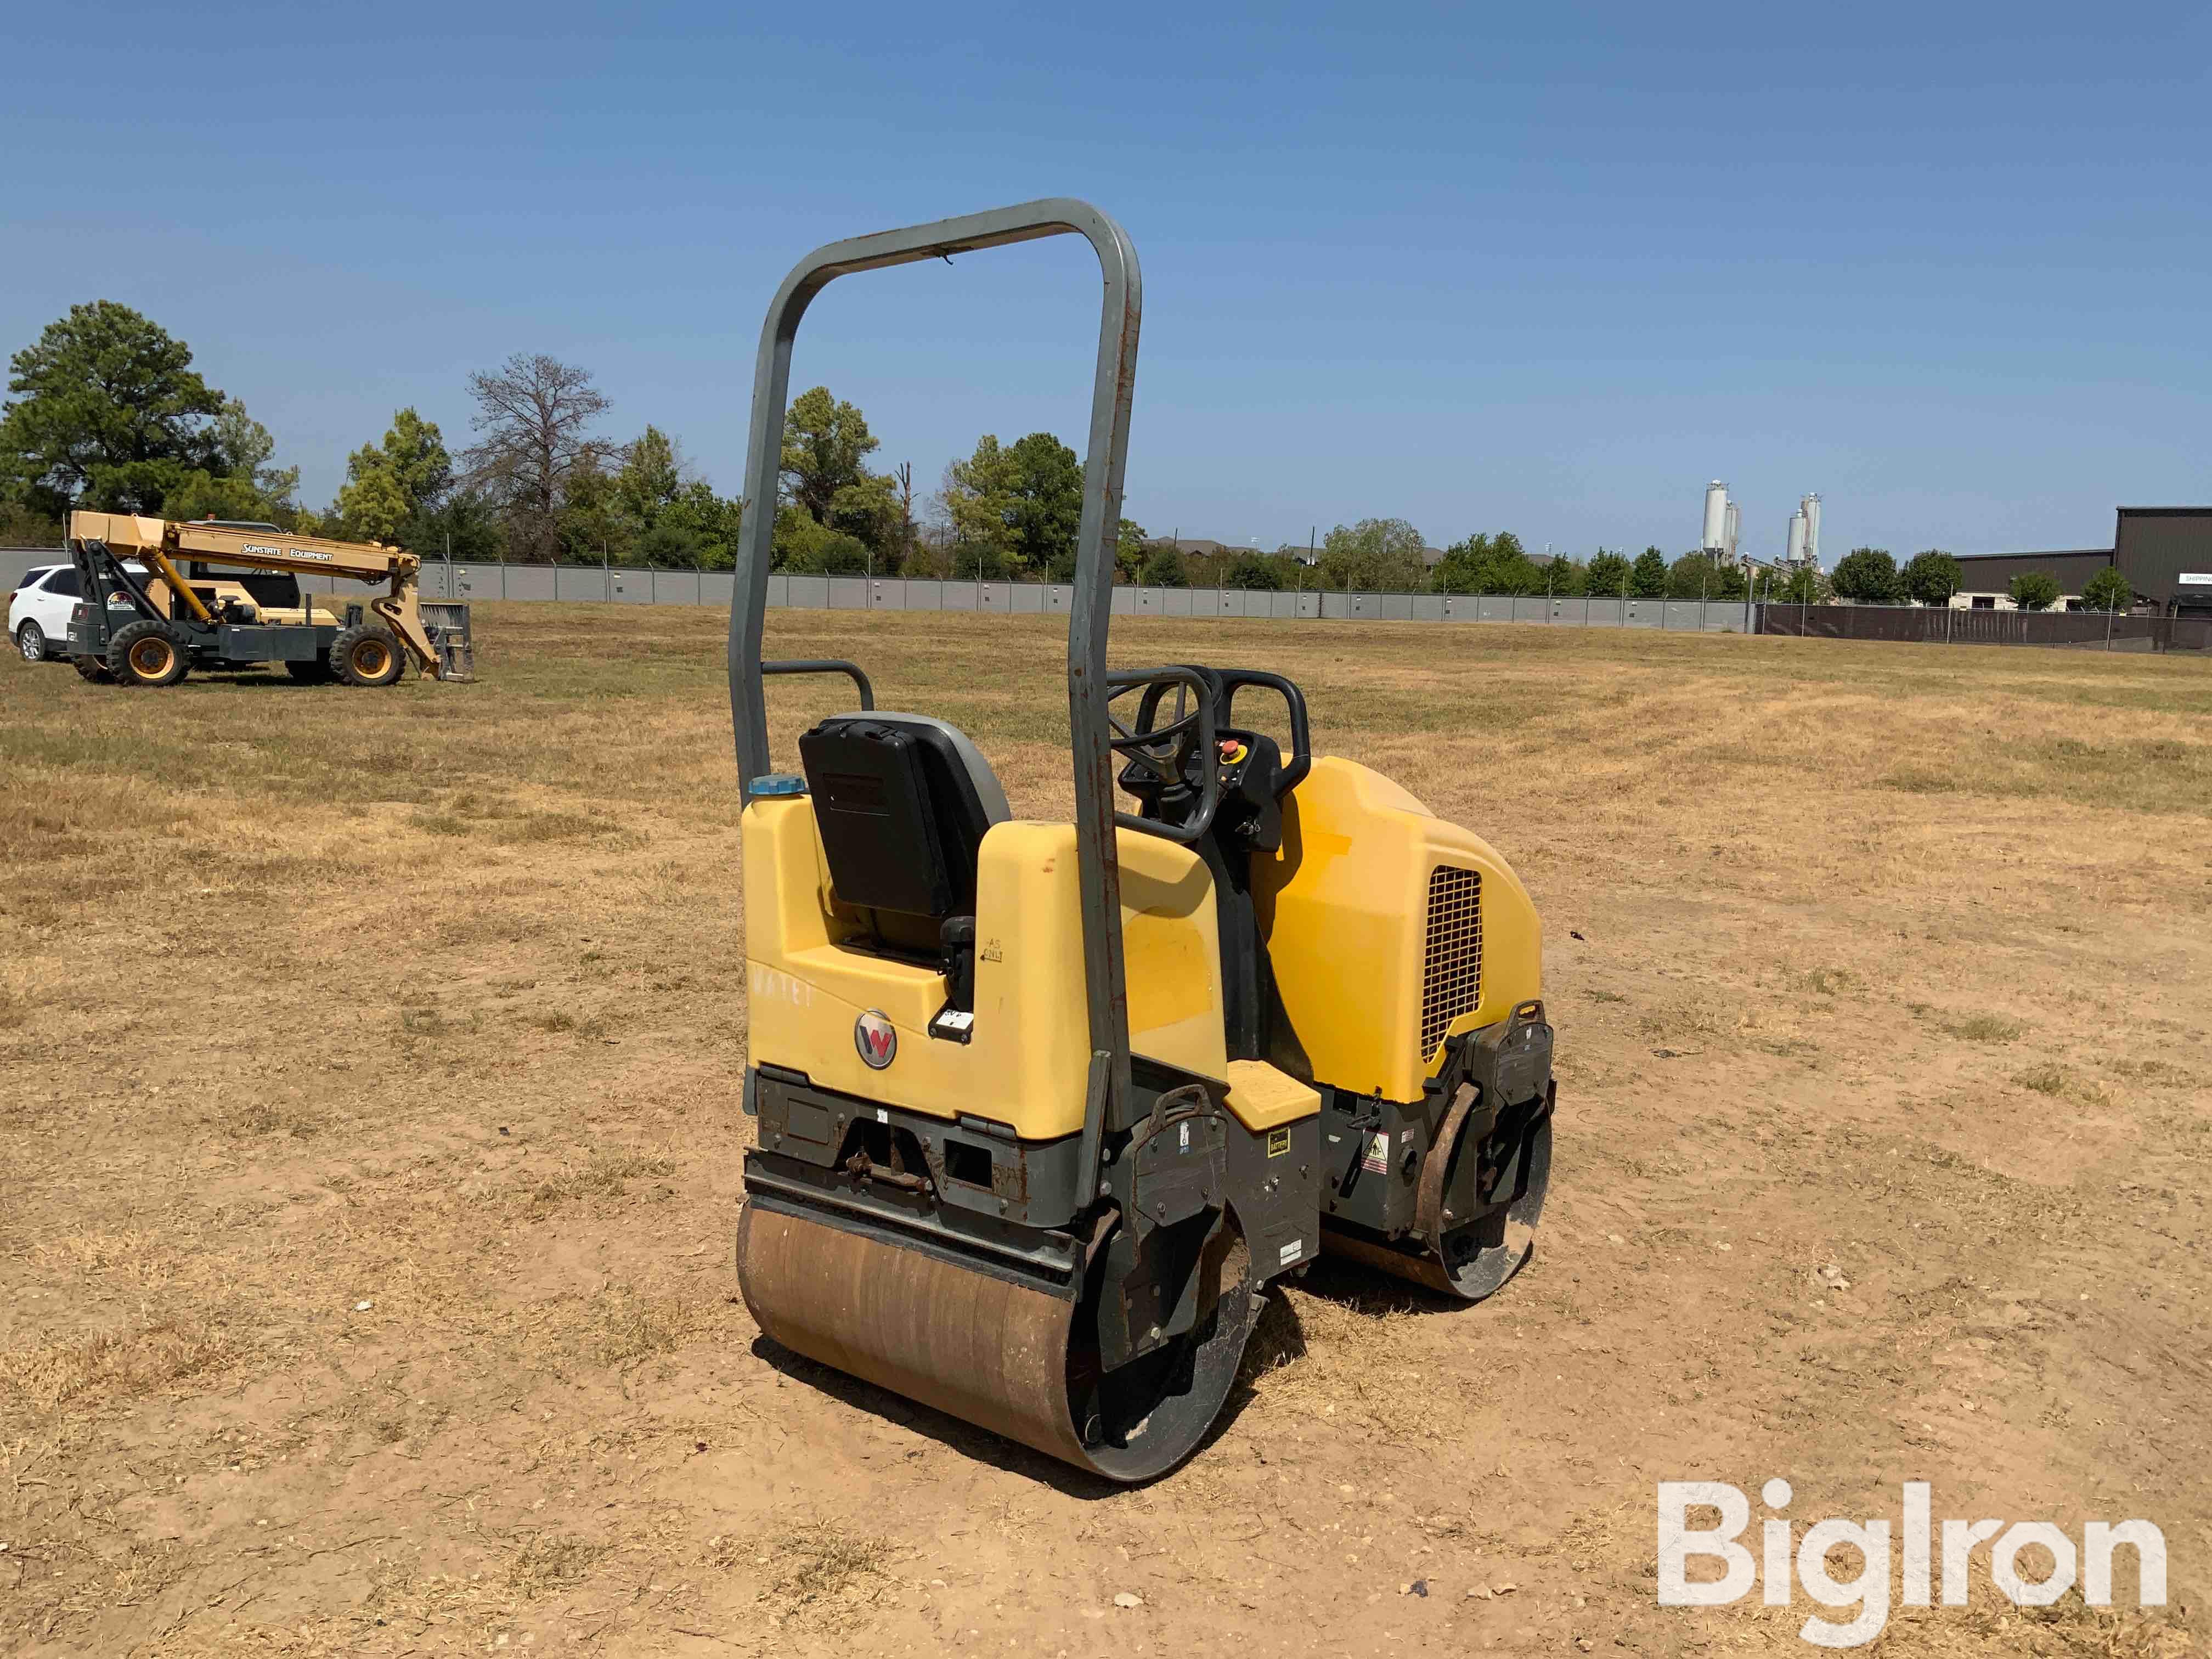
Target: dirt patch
(373, 1144)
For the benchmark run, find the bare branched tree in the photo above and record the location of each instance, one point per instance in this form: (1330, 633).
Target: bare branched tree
(536, 415)
(904, 473)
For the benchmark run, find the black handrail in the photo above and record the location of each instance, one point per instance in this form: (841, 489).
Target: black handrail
(826, 665)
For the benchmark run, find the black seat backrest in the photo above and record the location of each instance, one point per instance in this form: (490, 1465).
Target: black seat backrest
(903, 804)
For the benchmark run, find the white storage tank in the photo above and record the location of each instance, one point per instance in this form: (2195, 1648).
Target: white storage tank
(1716, 516)
(1810, 508)
(1796, 554)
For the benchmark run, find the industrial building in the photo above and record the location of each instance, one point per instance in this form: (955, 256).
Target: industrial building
(2165, 552)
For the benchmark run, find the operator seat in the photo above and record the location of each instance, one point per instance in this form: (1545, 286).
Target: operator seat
(903, 802)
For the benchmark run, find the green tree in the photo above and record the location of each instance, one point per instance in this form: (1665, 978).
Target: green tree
(204, 495)
(1164, 568)
(371, 504)
(1867, 576)
(1931, 577)
(649, 480)
(1607, 576)
(1048, 499)
(1465, 567)
(1699, 575)
(245, 449)
(1804, 585)
(1131, 546)
(390, 482)
(24, 527)
(1131, 549)
(2108, 590)
(706, 522)
(1647, 578)
(109, 414)
(464, 526)
(870, 512)
(591, 527)
(1376, 555)
(978, 497)
(1255, 572)
(2035, 590)
(826, 445)
(805, 547)
(665, 519)
(1489, 564)
(241, 484)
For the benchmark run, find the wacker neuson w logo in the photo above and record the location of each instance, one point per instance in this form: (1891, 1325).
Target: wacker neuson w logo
(1933, 1557)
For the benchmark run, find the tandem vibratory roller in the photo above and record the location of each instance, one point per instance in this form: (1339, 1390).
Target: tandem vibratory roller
(1043, 1108)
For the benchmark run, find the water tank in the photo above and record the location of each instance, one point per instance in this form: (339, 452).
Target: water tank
(1810, 508)
(1716, 516)
(1796, 554)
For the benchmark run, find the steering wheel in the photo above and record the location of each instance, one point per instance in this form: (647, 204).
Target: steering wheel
(1166, 753)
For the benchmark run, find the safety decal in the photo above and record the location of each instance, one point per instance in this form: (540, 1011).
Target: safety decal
(1377, 1158)
(1279, 1142)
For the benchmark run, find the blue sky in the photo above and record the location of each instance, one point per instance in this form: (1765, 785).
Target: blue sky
(1542, 269)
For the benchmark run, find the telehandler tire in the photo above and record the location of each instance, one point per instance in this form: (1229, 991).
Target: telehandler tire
(368, 655)
(146, 653)
(92, 669)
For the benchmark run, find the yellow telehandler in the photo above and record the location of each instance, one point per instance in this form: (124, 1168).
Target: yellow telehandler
(161, 598)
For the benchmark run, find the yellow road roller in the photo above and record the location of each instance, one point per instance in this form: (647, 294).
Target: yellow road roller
(1043, 1108)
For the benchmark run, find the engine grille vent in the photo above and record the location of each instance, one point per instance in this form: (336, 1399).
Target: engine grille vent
(1451, 970)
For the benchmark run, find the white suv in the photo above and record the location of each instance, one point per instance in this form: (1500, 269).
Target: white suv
(39, 611)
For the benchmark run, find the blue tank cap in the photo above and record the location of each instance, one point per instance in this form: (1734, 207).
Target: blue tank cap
(779, 783)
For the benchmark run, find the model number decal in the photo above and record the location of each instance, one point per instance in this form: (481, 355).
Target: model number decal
(774, 985)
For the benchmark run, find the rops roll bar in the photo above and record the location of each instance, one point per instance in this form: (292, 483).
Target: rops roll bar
(1121, 307)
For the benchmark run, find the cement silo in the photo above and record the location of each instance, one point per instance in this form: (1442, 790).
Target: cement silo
(1809, 510)
(1717, 507)
(1796, 553)
(1734, 526)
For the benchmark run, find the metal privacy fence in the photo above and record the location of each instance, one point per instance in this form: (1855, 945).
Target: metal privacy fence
(627, 585)
(2082, 629)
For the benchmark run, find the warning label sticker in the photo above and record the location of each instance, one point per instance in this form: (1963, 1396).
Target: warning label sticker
(1377, 1158)
(1279, 1142)
(1293, 1251)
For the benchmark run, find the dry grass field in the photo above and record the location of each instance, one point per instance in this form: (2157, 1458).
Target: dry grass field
(369, 1071)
